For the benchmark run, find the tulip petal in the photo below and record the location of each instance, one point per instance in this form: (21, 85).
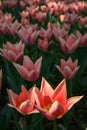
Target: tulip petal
(56, 110)
(75, 45)
(38, 97)
(12, 97)
(33, 75)
(38, 64)
(60, 69)
(74, 72)
(26, 107)
(63, 63)
(67, 72)
(27, 63)
(24, 95)
(19, 57)
(70, 102)
(62, 43)
(60, 93)
(46, 88)
(22, 71)
(44, 113)
(70, 40)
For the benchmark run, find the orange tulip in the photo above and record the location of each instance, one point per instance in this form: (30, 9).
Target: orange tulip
(29, 71)
(53, 103)
(12, 52)
(68, 68)
(24, 102)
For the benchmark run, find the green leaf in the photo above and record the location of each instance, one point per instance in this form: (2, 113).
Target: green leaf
(36, 122)
(5, 118)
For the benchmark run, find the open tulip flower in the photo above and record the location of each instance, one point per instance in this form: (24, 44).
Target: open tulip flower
(13, 52)
(29, 71)
(68, 68)
(53, 103)
(24, 102)
(69, 44)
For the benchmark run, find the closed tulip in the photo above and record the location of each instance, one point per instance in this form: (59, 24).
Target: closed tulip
(68, 68)
(28, 70)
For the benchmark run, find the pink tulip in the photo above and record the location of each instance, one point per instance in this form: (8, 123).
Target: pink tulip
(40, 16)
(13, 27)
(83, 21)
(69, 44)
(59, 8)
(12, 52)
(9, 3)
(57, 31)
(83, 39)
(70, 18)
(43, 44)
(68, 68)
(51, 5)
(27, 35)
(28, 70)
(78, 7)
(46, 33)
(23, 102)
(53, 103)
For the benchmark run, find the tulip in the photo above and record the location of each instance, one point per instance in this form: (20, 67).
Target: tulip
(68, 68)
(83, 21)
(28, 70)
(7, 17)
(27, 35)
(40, 16)
(69, 18)
(83, 39)
(46, 33)
(43, 44)
(12, 52)
(23, 102)
(57, 31)
(9, 3)
(13, 27)
(69, 44)
(51, 103)
(78, 7)
(59, 8)
(51, 5)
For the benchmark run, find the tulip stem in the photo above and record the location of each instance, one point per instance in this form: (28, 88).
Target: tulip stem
(55, 125)
(25, 123)
(69, 88)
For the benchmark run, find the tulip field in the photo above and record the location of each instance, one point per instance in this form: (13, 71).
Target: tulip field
(43, 65)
